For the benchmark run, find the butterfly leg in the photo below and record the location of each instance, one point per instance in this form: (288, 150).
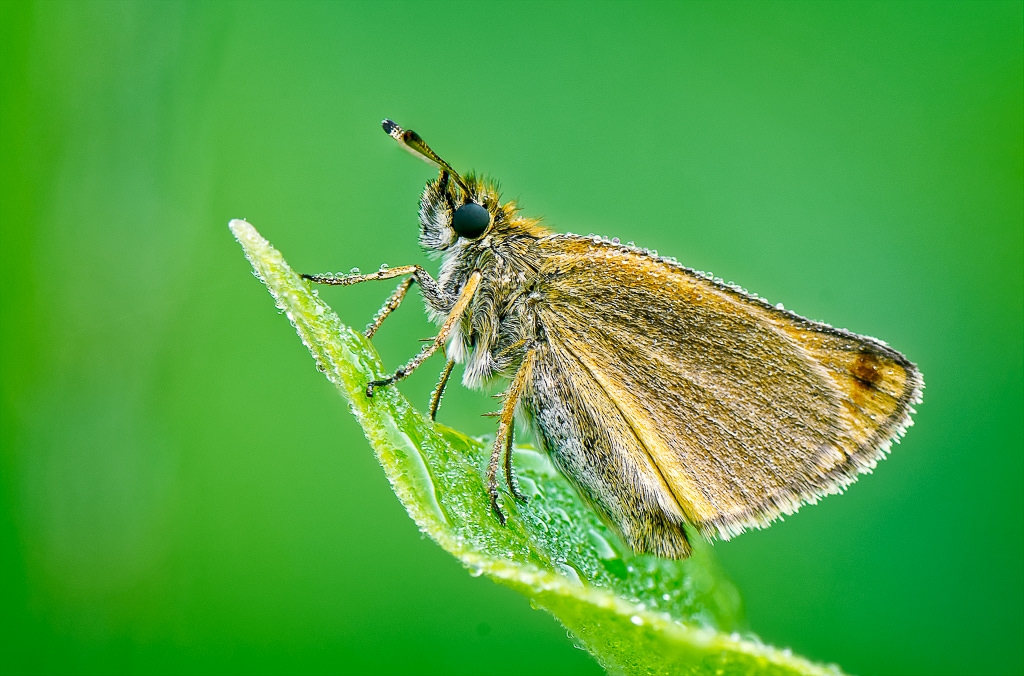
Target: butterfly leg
(510, 477)
(454, 315)
(431, 291)
(348, 280)
(502, 449)
(435, 397)
(390, 306)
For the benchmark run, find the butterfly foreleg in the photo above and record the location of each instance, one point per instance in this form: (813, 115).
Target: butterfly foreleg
(348, 280)
(501, 452)
(454, 315)
(431, 290)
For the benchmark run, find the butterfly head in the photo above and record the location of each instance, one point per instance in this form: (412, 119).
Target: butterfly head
(452, 207)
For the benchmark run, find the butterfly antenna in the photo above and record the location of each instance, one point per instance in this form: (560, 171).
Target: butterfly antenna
(412, 141)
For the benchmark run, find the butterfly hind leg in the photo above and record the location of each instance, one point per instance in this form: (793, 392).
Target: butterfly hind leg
(501, 452)
(435, 396)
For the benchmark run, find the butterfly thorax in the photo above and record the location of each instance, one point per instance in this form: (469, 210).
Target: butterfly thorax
(500, 322)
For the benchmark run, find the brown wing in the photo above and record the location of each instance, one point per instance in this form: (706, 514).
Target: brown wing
(711, 406)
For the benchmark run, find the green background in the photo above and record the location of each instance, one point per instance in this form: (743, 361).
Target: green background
(183, 492)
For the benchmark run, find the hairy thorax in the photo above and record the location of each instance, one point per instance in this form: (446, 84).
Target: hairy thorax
(500, 322)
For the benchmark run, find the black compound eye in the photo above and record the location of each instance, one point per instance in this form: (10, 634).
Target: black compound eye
(470, 220)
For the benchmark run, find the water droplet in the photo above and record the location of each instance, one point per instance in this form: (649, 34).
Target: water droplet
(383, 267)
(601, 546)
(637, 620)
(568, 571)
(353, 271)
(780, 306)
(528, 487)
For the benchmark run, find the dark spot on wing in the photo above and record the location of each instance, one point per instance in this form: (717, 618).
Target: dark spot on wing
(866, 369)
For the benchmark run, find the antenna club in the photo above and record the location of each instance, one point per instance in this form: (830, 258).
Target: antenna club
(391, 129)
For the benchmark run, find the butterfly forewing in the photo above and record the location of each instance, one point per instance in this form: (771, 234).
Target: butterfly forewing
(719, 409)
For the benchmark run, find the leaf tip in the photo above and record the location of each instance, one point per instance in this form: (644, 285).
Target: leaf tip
(243, 230)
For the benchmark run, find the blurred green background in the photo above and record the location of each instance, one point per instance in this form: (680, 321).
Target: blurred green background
(183, 492)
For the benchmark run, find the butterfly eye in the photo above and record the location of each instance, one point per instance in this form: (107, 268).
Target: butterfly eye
(470, 220)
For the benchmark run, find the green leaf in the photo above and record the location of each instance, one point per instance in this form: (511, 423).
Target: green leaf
(636, 614)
